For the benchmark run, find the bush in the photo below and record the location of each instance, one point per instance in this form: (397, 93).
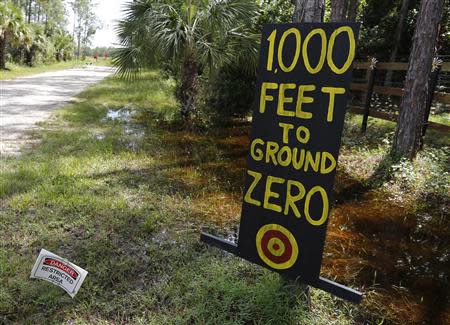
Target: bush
(229, 93)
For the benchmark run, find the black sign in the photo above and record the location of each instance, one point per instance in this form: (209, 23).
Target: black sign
(304, 77)
(302, 91)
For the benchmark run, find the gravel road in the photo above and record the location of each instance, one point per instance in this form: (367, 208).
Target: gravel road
(25, 101)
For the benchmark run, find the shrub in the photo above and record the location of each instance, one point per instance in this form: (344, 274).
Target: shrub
(229, 93)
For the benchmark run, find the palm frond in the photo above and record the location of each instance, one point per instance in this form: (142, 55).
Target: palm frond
(220, 26)
(150, 29)
(208, 30)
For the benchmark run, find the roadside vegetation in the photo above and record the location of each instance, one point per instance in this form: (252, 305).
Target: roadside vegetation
(15, 71)
(119, 186)
(34, 38)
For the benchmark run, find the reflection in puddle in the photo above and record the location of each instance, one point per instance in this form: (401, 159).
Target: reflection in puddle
(124, 114)
(133, 132)
(163, 238)
(99, 137)
(233, 235)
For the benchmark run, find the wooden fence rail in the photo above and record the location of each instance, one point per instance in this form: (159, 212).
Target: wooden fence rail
(369, 88)
(397, 66)
(393, 91)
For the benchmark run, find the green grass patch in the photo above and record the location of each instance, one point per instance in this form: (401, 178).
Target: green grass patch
(441, 118)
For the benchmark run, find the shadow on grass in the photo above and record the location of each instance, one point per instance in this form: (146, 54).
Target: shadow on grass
(18, 181)
(357, 189)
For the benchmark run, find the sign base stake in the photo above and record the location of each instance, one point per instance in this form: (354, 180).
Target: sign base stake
(219, 243)
(322, 283)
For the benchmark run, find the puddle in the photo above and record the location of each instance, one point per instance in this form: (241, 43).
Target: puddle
(99, 137)
(230, 235)
(122, 115)
(162, 238)
(233, 235)
(133, 136)
(132, 145)
(133, 132)
(375, 242)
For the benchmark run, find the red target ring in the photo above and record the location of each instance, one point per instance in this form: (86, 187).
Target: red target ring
(286, 254)
(276, 246)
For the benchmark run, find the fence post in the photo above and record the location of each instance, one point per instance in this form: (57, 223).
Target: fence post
(368, 99)
(432, 83)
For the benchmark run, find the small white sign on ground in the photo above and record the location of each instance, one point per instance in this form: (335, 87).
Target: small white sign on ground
(60, 272)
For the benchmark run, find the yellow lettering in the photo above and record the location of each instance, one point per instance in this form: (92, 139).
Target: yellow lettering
(297, 162)
(325, 206)
(332, 91)
(271, 40)
(327, 156)
(257, 154)
(264, 97)
(323, 51)
(351, 50)
(282, 99)
(286, 128)
(287, 151)
(271, 151)
(291, 199)
(296, 33)
(248, 196)
(269, 194)
(303, 134)
(314, 163)
(302, 99)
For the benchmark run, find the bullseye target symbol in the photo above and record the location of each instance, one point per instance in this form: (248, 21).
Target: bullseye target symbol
(276, 246)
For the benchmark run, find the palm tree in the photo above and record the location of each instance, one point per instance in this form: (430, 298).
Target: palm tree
(34, 40)
(64, 45)
(11, 27)
(191, 35)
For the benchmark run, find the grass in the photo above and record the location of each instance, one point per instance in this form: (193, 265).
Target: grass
(15, 71)
(126, 199)
(442, 118)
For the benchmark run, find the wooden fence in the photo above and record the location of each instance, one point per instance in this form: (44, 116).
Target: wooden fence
(369, 88)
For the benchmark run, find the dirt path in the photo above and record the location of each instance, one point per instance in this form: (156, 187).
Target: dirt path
(25, 101)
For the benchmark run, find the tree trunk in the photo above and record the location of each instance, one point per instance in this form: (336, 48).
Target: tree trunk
(3, 53)
(39, 13)
(352, 11)
(344, 10)
(338, 10)
(74, 20)
(29, 11)
(189, 85)
(29, 55)
(397, 38)
(308, 11)
(412, 108)
(46, 24)
(78, 44)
